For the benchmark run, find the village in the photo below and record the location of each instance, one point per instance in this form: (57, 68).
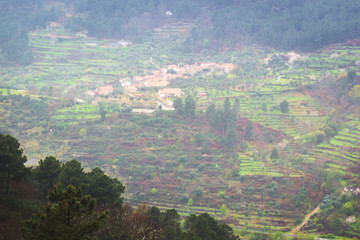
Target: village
(158, 80)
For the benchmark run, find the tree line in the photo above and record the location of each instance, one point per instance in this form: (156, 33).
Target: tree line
(288, 24)
(283, 24)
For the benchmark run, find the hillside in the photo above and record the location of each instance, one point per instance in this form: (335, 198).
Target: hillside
(282, 24)
(273, 133)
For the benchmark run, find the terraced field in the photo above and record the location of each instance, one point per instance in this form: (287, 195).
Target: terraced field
(146, 152)
(174, 29)
(251, 167)
(342, 151)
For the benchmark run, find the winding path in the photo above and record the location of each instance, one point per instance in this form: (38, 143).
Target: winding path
(307, 217)
(152, 62)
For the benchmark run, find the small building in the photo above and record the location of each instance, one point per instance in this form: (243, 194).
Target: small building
(91, 44)
(53, 24)
(173, 76)
(182, 71)
(125, 84)
(173, 67)
(90, 93)
(202, 94)
(78, 100)
(228, 67)
(131, 89)
(170, 92)
(267, 60)
(137, 79)
(127, 79)
(104, 90)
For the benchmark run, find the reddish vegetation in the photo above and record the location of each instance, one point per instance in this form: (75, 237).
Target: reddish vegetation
(130, 146)
(216, 145)
(169, 141)
(259, 129)
(353, 42)
(354, 169)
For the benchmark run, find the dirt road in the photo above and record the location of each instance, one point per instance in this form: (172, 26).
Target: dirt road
(307, 217)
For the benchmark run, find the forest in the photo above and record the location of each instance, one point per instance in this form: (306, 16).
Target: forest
(290, 25)
(16, 19)
(304, 25)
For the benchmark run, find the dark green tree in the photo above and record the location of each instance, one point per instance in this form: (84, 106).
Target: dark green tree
(73, 173)
(178, 105)
(236, 107)
(334, 222)
(210, 111)
(167, 222)
(264, 107)
(199, 139)
(106, 190)
(274, 154)
(227, 105)
(17, 50)
(249, 130)
(68, 215)
(48, 171)
(301, 198)
(229, 120)
(170, 220)
(231, 139)
(351, 77)
(210, 114)
(190, 106)
(284, 107)
(332, 181)
(205, 227)
(102, 112)
(11, 162)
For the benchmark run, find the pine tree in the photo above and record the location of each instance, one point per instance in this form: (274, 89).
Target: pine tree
(189, 108)
(69, 215)
(249, 130)
(11, 162)
(48, 171)
(178, 105)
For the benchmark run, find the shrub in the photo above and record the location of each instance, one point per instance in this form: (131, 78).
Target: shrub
(201, 167)
(334, 126)
(320, 136)
(330, 133)
(330, 235)
(347, 208)
(310, 138)
(221, 194)
(284, 107)
(274, 154)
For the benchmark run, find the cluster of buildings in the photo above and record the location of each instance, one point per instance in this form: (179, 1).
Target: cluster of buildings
(198, 67)
(170, 92)
(161, 78)
(104, 90)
